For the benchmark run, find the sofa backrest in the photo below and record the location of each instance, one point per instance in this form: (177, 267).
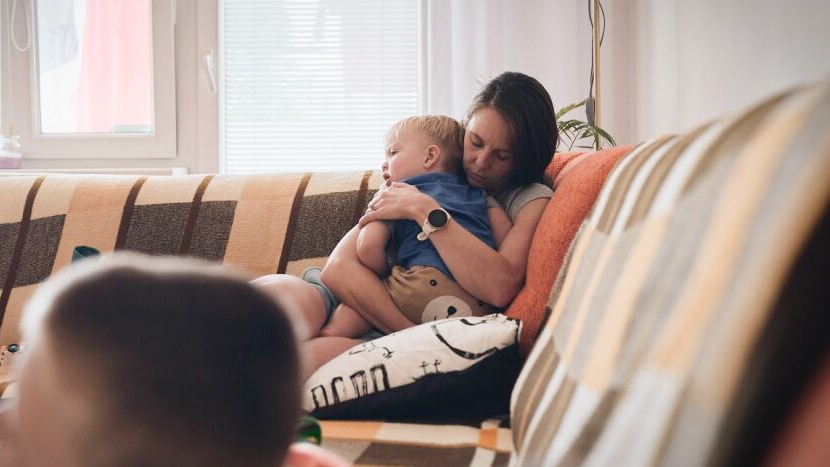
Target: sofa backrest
(272, 223)
(668, 296)
(260, 224)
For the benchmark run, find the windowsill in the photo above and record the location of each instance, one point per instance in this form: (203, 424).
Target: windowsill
(103, 171)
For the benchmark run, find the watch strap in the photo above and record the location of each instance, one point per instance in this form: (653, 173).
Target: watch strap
(428, 229)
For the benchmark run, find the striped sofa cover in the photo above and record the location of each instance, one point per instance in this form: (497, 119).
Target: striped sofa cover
(693, 308)
(688, 317)
(260, 224)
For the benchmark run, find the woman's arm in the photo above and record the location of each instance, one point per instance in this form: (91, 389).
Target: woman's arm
(500, 224)
(493, 276)
(360, 288)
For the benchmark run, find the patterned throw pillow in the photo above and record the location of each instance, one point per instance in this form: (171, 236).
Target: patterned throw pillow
(452, 369)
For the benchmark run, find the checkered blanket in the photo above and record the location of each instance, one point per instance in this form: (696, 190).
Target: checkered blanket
(377, 443)
(261, 224)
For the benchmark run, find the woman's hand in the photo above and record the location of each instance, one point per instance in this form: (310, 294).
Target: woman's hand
(398, 200)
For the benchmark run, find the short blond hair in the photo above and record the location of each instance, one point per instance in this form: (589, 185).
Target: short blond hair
(446, 132)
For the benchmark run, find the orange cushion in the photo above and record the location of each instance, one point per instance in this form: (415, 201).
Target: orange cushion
(576, 179)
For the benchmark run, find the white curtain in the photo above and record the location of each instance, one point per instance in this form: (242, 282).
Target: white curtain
(470, 41)
(692, 62)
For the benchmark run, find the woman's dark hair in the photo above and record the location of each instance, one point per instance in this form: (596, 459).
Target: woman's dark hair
(527, 107)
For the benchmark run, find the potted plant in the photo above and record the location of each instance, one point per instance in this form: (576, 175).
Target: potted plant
(580, 133)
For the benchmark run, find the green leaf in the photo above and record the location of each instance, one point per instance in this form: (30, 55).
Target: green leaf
(573, 131)
(570, 125)
(607, 136)
(568, 108)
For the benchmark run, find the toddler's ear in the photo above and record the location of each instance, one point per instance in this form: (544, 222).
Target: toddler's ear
(433, 156)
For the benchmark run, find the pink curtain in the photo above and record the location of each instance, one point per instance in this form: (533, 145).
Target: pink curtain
(116, 66)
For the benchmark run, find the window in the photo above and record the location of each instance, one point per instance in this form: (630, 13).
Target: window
(90, 79)
(313, 85)
(215, 86)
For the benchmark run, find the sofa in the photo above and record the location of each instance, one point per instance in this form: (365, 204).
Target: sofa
(675, 310)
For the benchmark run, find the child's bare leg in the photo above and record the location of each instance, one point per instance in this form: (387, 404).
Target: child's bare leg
(345, 322)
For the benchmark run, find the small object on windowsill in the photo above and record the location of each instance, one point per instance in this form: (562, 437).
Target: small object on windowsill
(10, 155)
(10, 354)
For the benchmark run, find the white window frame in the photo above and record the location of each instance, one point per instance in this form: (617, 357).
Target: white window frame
(186, 106)
(20, 89)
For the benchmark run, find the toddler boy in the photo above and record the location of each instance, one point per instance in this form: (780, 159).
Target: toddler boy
(140, 361)
(426, 152)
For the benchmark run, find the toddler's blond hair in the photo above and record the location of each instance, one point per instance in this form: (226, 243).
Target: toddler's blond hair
(446, 132)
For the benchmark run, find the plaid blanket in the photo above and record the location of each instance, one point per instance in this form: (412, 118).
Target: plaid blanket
(378, 443)
(261, 224)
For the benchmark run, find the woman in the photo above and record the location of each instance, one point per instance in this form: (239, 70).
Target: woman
(510, 139)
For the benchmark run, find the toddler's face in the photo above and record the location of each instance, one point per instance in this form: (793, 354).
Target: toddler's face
(39, 426)
(405, 156)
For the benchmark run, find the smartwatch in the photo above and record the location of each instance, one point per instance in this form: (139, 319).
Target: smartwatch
(436, 220)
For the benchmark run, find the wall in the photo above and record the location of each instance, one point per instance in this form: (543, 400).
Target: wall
(688, 62)
(471, 41)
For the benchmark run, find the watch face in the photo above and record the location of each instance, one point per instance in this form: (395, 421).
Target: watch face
(437, 217)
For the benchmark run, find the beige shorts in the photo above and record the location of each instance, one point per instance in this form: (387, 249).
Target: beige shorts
(424, 294)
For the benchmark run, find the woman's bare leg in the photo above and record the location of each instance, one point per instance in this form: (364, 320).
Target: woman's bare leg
(301, 300)
(317, 352)
(304, 304)
(345, 322)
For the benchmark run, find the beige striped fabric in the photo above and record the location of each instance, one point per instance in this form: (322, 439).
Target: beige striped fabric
(377, 443)
(667, 287)
(258, 223)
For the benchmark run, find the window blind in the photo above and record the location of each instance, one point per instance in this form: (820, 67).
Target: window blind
(313, 85)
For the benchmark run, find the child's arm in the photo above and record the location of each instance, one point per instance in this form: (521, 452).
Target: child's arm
(371, 246)
(500, 223)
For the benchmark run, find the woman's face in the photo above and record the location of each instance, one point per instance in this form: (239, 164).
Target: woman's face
(488, 151)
